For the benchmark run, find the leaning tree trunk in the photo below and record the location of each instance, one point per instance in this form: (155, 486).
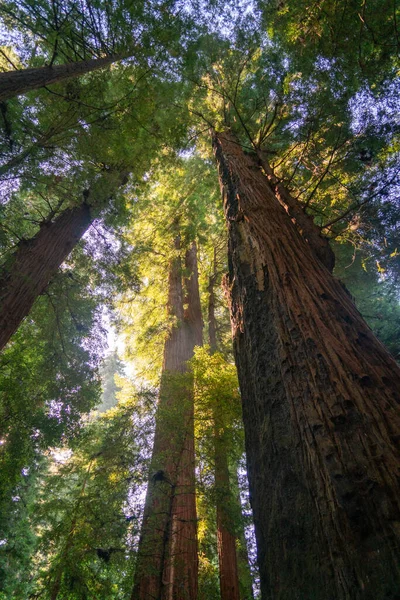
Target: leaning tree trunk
(14, 83)
(167, 561)
(320, 406)
(226, 538)
(29, 270)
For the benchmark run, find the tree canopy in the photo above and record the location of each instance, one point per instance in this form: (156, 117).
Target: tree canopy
(111, 114)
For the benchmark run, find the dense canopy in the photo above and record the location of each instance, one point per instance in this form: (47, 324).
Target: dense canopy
(199, 300)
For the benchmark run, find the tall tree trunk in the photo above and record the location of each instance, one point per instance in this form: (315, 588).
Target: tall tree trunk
(226, 538)
(26, 274)
(320, 406)
(14, 83)
(319, 244)
(167, 562)
(226, 534)
(29, 270)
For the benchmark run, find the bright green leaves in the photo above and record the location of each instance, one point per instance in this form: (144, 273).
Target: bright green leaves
(179, 201)
(88, 516)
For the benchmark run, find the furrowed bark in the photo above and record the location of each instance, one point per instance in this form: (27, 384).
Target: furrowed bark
(320, 401)
(167, 562)
(319, 244)
(15, 83)
(27, 273)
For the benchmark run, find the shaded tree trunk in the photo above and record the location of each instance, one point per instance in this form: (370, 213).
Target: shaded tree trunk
(28, 271)
(320, 405)
(167, 562)
(26, 274)
(226, 538)
(14, 83)
(226, 534)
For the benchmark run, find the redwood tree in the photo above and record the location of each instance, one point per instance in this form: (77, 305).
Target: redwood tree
(14, 83)
(167, 556)
(27, 272)
(226, 539)
(320, 401)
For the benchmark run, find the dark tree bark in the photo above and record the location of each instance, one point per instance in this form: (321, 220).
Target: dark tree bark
(14, 83)
(320, 406)
(27, 273)
(167, 562)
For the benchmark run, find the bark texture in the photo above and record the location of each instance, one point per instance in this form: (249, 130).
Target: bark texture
(320, 406)
(167, 560)
(14, 83)
(27, 273)
(319, 244)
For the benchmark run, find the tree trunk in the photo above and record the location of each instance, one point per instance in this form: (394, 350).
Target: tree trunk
(29, 270)
(26, 274)
(319, 244)
(14, 83)
(167, 558)
(226, 538)
(226, 535)
(183, 552)
(320, 405)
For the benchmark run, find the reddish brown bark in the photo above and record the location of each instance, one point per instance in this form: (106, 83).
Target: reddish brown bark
(212, 322)
(167, 559)
(14, 83)
(182, 563)
(320, 404)
(27, 273)
(319, 244)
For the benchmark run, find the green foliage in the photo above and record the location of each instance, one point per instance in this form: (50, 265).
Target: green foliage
(177, 201)
(375, 293)
(18, 539)
(318, 94)
(218, 427)
(112, 367)
(360, 38)
(88, 515)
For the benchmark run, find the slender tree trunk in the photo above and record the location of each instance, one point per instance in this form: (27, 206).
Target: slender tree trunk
(226, 535)
(226, 538)
(183, 553)
(167, 559)
(320, 406)
(29, 270)
(14, 83)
